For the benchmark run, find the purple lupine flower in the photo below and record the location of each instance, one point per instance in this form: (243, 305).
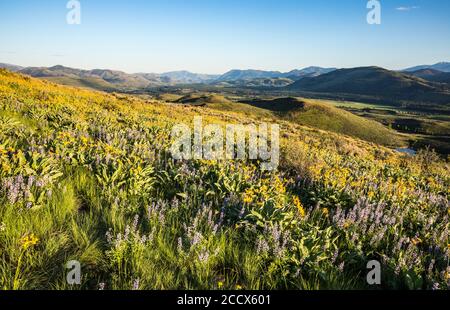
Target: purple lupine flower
(136, 284)
(262, 247)
(135, 223)
(180, 245)
(203, 256)
(436, 287)
(127, 233)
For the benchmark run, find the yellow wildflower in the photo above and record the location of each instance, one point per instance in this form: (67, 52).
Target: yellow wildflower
(279, 186)
(325, 211)
(249, 196)
(238, 287)
(416, 241)
(299, 206)
(220, 284)
(29, 241)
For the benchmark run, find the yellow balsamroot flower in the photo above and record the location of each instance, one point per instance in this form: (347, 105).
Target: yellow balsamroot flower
(84, 141)
(299, 206)
(354, 184)
(279, 186)
(249, 196)
(29, 241)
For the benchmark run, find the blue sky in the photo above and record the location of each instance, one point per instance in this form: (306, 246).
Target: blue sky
(214, 36)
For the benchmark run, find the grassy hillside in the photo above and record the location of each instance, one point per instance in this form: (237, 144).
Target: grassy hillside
(88, 176)
(321, 115)
(199, 99)
(432, 75)
(91, 83)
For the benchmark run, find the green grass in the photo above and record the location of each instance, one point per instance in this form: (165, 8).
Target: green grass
(321, 115)
(202, 99)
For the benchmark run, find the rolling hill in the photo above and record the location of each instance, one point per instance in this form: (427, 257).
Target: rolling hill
(306, 112)
(198, 99)
(393, 87)
(432, 75)
(320, 115)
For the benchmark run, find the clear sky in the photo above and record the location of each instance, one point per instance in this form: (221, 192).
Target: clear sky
(214, 36)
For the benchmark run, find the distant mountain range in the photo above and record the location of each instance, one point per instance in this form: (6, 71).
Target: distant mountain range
(111, 78)
(12, 68)
(116, 79)
(187, 77)
(441, 66)
(425, 88)
(256, 82)
(239, 75)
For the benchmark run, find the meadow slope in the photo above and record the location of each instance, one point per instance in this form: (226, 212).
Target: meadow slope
(88, 176)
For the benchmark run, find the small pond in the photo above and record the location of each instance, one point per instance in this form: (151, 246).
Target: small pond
(406, 151)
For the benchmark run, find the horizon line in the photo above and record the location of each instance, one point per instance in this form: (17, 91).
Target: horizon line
(202, 73)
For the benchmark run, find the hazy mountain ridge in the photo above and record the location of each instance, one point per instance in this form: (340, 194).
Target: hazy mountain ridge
(114, 77)
(189, 77)
(440, 66)
(256, 82)
(12, 68)
(110, 79)
(236, 75)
